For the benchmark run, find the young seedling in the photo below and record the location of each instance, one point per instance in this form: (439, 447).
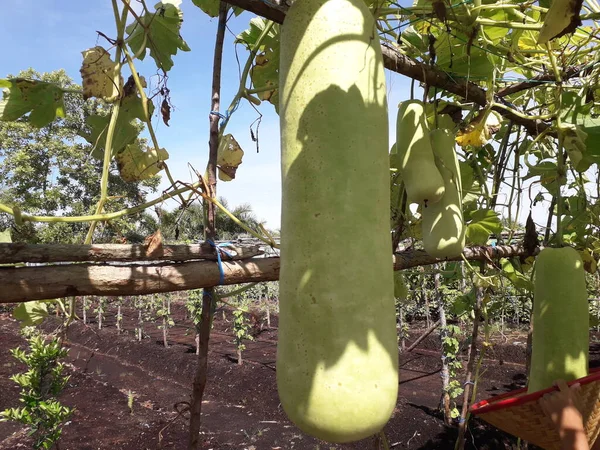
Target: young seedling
(40, 385)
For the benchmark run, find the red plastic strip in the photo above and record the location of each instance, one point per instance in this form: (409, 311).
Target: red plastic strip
(514, 398)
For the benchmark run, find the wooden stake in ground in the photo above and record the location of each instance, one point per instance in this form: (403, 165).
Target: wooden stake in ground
(443, 334)
(462, 424)
(423, 336)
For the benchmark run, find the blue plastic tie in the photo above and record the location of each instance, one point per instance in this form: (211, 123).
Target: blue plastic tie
(221, 116)
(219, 248)
(468, 382)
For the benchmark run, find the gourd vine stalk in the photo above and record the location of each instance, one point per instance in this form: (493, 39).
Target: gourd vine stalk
(262, 89)
(515, 186)
(512, 25)
(216, 202)
(235, 292)
(139, 208)
(104, 216)
(477, 273)
(485, 344)
(120, 23)
(383, 440)
(481, 178)
(500, 166)
(242, 89)
(460, 441)
(138, 20)
(110, 133)
(523, 116)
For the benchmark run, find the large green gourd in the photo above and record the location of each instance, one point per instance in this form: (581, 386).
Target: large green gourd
(422, 179)
(560, 341)
(443, 226)
(337, 354)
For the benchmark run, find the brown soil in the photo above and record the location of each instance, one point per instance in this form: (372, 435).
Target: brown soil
(241, 409)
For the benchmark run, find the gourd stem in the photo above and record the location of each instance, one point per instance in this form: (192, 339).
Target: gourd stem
(120, 21)
(560, 165)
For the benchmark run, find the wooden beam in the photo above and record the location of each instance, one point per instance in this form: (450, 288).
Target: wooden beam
(397, 62)
(51, 253)
(21, 284)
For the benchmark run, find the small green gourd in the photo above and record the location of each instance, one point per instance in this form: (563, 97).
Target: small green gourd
(422, 179)
(443, 226)
(560, 340)
(400, 288)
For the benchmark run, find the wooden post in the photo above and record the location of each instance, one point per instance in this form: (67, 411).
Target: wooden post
(208, 296)
(443, 334)
(462, 425)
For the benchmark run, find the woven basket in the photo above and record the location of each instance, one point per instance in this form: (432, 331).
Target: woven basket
(521, 415)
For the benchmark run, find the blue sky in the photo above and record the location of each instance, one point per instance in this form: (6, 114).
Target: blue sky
(50, 34)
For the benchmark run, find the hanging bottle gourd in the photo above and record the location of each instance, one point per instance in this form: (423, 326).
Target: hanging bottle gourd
(443, 226)
(337, 353)
(422, 179)
(560, 340)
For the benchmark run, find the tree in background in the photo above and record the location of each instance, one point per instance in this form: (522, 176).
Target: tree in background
(52, 170)
(187, 224)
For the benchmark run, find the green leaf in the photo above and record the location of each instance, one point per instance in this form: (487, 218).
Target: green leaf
(452, 57)
(210, 7)
(163, 38)
(44, 101)
(413, 37)
(265, 72)
(548, 173)
(31, 313)
(483, 223)
(519, 280)
(467, 176)
(495, 34)
(578, 113)
(463, 304)
(127, 129)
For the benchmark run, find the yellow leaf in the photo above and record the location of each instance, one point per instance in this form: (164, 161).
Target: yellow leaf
(527, 41)
(98, 74)
(229, 157)
(137, 164)
(589, 262)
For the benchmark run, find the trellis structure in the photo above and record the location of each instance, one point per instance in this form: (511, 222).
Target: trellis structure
(115, 269)
(47, 272)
